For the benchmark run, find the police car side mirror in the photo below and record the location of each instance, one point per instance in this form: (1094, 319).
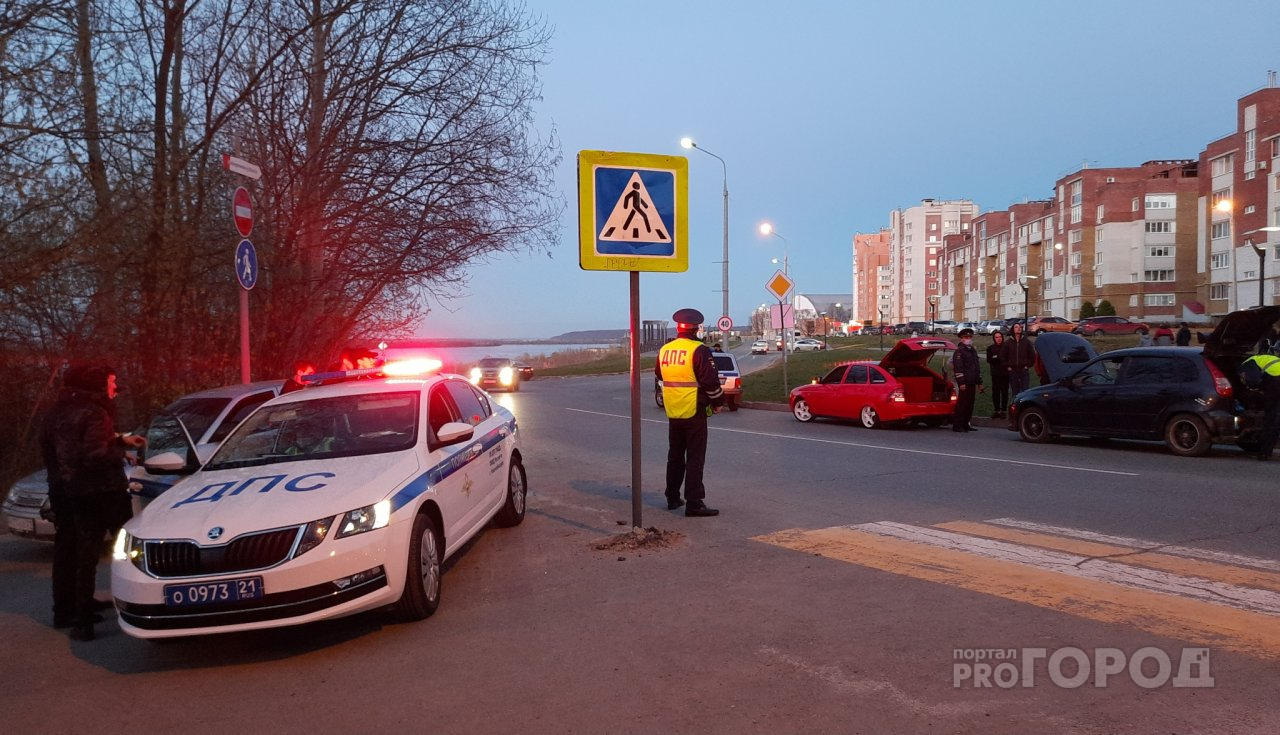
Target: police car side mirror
(454, 432)
(167, 463)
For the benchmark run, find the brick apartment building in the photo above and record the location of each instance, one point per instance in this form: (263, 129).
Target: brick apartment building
(871, 278)
(1239, 196)
(915, 249)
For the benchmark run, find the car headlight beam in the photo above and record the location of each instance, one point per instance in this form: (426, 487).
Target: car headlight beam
(474, 375)
(506, 375)
(365, 519)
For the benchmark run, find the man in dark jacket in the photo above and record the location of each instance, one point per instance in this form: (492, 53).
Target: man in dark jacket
(1018, 357)
(84, 458)
(968, 372)
(1183, 338)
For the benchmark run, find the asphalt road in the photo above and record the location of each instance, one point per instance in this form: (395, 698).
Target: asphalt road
(850, 577)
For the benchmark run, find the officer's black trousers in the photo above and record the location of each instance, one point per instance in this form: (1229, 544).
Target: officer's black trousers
(964, 407)
(686, 455)
(77, 545)
(1271, 420)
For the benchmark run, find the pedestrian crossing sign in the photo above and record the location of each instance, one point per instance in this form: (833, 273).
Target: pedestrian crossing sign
(633, 212)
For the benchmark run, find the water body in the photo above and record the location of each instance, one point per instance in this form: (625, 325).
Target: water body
(460, 357)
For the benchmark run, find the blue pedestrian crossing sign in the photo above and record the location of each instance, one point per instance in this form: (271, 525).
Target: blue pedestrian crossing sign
(633, 212)
(246, 265)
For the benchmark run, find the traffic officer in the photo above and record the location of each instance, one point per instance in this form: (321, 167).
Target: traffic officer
(968, 372)
(690, 391)
(1263, 372)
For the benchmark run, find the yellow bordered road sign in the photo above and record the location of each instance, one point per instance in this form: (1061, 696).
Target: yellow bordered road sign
(780, 285)
(633, 212)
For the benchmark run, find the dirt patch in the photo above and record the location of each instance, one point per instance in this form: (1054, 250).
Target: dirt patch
(641, 539)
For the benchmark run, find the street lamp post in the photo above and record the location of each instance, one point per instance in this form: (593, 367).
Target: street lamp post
(724, 264)
(767, 229)
(1026, 299)
(882, 330)
(1262, 258)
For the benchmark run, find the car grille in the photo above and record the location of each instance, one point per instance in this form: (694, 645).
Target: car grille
(242, 554)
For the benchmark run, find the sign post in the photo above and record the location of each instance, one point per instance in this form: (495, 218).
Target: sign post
(781, 286)
(246, 261)
(633, 216)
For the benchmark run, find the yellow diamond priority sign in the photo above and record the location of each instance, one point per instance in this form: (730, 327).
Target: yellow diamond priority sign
(780, 285)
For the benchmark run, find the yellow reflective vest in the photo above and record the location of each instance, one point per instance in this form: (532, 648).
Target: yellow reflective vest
(679, 383)
(1270, 364)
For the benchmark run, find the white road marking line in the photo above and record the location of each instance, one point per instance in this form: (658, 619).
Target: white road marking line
(1074, 565)
(1138, 544)
(950, 455)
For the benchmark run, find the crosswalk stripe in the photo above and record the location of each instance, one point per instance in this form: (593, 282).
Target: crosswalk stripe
(1012, 577)
(1139, 556)
(1176, 550)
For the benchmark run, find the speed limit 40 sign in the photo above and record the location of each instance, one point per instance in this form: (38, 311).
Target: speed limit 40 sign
(724, 323)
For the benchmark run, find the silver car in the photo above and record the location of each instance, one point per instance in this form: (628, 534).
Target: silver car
(22, 507)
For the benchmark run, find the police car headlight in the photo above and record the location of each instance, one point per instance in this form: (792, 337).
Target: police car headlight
(127, 548)
(313, 534)
(506, 375)
(365, 519)
(474, 375)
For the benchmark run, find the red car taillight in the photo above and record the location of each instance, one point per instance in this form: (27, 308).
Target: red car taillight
(1220, 382)
(897, 396)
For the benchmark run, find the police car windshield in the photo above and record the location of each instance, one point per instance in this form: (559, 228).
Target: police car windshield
(341, 426)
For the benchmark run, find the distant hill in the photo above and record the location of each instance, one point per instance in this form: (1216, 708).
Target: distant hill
(591, 336)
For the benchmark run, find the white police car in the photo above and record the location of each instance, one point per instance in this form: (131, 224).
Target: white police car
(324, 502)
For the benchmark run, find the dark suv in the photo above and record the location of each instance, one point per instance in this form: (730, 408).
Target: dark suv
(1189, 397)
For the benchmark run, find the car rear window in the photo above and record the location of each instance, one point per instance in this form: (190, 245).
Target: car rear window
(725, 363)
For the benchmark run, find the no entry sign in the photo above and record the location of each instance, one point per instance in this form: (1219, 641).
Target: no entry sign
(242, 211)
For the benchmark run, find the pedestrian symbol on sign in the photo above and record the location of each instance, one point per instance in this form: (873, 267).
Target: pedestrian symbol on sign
(634, 218)
(246, 265)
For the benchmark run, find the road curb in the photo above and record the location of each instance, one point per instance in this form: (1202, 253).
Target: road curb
(987, 423)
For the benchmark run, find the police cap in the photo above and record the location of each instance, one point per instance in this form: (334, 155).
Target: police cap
(688, 317)
(966, 332)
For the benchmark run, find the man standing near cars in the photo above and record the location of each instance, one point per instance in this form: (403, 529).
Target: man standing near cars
(1262, 372)
(1018, 356)
(84, 458)
(968, 372)
(999, 376)
(690, 390)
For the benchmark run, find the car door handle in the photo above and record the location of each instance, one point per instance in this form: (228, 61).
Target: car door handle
(474, 451)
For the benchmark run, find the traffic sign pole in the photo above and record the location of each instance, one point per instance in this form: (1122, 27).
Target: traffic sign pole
(244, 336)
(635, 400)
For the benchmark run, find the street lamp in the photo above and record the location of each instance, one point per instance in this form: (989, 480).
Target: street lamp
(724, 264)
(1025, 282)
(882, 330)
(767, 229)
(1262, 256)
(823, 314)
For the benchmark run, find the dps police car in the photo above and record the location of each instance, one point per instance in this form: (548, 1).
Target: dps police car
(324, 502)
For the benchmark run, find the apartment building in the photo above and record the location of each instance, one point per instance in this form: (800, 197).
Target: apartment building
(871, 279)
(915, 250)
(1238, 254)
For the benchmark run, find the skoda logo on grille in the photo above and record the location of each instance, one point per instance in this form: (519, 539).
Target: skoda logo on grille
(215, 533)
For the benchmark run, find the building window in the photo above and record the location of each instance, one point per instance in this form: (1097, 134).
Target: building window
(1250, 145)
(1222, 165)
(1099, 213)
(1133, 300)
(1221, 230)
(1075, 260)
(1077, 188)
(1097, 235)
(1249, 209)
(1076, 214)
(1220, 260)
(1249, 175)
(1075, 280)
(1076, 237)
(1135, 204)
(1160, 251)
(1158, 276)
(1219, 196)
(1160, 226)
(1158, 299)
(1097, 258)
(1219, 292)
(1161, 201)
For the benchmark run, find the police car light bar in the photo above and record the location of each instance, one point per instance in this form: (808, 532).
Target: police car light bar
(337, 375)
(411, 367)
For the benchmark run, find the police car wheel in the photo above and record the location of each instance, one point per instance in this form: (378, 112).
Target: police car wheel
(657, 398)
(422, 581)
(512, 512)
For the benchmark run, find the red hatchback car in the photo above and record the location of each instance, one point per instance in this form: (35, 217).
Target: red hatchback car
(901, 387)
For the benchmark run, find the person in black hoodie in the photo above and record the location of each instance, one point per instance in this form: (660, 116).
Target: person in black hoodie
(84, 458)
(968, 372)
(1018, 357)
(999, 376)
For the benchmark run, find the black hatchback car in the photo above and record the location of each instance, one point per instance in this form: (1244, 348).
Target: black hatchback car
(1189, 397)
